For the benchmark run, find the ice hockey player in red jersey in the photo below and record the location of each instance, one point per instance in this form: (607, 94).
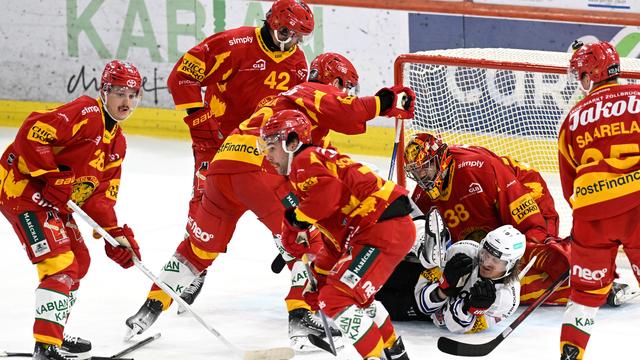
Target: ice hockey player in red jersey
(477, 285)
(258, 187)
(366, 226)
(73, 152)
(599, 160)
(240, 70)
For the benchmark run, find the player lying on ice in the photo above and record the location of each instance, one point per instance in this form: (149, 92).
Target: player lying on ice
(477, 191)
(366, 226)
(73, 152)
(326, 100)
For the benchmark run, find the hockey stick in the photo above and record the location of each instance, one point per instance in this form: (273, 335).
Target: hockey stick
(266, 354)
(135, 346)
(457, 348)
(394, 154)
(278, 264)
(313, 338)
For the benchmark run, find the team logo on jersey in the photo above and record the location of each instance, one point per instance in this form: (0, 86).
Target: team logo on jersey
(475, 188)
(42, 133)
(83, 187)
(307, 184)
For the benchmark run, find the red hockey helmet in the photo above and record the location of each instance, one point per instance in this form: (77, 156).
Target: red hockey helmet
(281, 125)
(598, 60)
(427, 161)
(120, 73)
(330, 66)
(295, 15)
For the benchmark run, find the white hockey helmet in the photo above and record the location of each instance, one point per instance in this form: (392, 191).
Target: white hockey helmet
(505, 243)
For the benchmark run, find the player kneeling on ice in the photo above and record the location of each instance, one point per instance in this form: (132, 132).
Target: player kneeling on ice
(366, 226)
(72, 152)
(477, 286)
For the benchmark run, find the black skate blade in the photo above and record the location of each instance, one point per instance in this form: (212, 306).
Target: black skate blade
(107, 358)
(317, 341)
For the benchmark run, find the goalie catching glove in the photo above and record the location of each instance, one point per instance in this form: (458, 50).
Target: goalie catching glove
(298, 237)
(397, 101)
(122, 254)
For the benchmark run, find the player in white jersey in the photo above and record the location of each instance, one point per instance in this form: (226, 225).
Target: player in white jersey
(478, 285)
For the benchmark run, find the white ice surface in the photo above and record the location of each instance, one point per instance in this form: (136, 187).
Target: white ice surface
(242, 298)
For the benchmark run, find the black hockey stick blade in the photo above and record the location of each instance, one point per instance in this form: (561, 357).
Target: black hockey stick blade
(317, 341)
(278, 264)
(454, 347)
(135, 346)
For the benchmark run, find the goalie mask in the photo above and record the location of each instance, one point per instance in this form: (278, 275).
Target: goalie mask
(290, 19)
(120, 89)
(599, 60)
(500, 252)
(427, 162)
(277, 134)
(327, 67)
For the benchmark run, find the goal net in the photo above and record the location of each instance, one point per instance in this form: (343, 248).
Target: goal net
(508, 100)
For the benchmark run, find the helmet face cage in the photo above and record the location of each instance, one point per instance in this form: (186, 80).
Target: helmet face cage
(598, 60)
(427, 162)
(327, 67)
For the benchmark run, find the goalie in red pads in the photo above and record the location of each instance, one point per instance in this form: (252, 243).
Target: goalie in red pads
(365, 222)
(599, 160)
(73, 152)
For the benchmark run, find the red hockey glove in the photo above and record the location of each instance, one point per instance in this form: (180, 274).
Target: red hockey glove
(455, 274)
(122, 254)
(58, 188)
(296, 235)
(481, 296)
(397, 101)
(310, 294)
(202, 126)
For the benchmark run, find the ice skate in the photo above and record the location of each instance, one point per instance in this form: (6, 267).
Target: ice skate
(48, 352)
(75, 347)
(303, 322)
(190, 294)
(144, 318)
(619, 294)
(396, 351)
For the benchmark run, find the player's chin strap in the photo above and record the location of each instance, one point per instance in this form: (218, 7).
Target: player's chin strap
(280, 42)
(290, 154)
(273, 353)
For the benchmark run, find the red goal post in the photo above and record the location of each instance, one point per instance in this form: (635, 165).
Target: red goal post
(508, 100)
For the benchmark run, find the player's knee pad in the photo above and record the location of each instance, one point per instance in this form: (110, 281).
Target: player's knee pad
(197, 257)
(61, 265)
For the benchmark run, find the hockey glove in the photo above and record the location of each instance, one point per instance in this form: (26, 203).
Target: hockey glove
(122, 254)
(455, 274)
(202, 127)
(57, 189)
(481, 296)
(296, 235)
(397, 101)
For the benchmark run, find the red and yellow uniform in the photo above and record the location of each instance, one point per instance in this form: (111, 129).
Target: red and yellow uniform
(485, 191)
(367, 233)
(239, 178)
(73, 135)
(599, 160)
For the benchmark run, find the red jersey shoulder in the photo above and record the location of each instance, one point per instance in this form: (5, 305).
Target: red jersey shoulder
(239, 38)
(473, 159)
